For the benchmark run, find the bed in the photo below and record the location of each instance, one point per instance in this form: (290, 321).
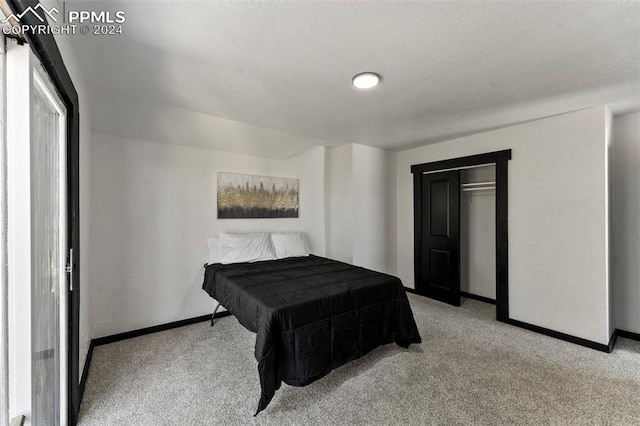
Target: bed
(311, 314)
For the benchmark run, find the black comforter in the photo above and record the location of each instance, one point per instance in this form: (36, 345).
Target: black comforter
(311, 314)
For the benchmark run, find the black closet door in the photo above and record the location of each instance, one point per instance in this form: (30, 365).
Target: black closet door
(439, 246)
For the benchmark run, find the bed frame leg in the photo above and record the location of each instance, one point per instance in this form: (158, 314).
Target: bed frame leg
(213, 315)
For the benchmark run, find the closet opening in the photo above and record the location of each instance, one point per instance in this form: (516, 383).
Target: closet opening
(478, 233)
(461, 229)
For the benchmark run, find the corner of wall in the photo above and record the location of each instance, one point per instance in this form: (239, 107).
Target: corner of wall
(392, 225)
(373, 208)
(610, 227)
(327, 200)
(339, 193)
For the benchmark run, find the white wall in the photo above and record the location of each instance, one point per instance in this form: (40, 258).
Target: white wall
(361, 204)
(478, 235)
(153, 206)
(557, 218)
(372, 207)
(625, 284)
(339, 169)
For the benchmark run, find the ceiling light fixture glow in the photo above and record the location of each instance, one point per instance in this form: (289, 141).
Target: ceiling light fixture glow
(365, 80)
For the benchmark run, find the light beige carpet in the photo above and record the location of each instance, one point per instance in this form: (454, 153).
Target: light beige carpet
(470, 369)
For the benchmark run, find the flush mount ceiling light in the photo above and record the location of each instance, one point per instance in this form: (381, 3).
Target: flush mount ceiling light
(365, 80)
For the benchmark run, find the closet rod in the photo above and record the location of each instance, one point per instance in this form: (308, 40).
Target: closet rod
(459, 168)
(465, 185)
(485, 188)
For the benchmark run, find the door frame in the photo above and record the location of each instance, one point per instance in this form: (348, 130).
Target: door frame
(501, 161)
(46, 50)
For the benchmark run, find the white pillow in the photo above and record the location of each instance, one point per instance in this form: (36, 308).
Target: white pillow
(214, 252)
(235, 248)
(290, 244)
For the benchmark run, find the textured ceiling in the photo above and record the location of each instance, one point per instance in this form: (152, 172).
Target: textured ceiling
(448, 68)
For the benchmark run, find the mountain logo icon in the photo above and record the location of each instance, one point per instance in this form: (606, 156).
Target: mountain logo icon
(44, 13)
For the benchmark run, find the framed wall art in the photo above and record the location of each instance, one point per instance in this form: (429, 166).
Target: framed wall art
(243, 196)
